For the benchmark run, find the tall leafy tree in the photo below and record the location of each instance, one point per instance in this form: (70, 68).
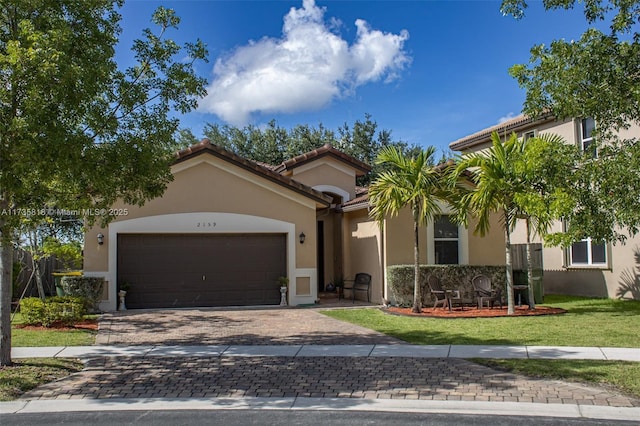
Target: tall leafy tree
(304, 138)
(496, 184)
(270, 142)
(75, 130)
(185, 138)
(596, 76)
(412, 182)
(274, 144)
(54, 235)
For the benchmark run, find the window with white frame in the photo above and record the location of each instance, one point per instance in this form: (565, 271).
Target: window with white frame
(445, 241)
(586, 143)
(588, 253)
(529, 135)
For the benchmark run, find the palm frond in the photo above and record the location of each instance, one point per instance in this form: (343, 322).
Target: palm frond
(407, 182)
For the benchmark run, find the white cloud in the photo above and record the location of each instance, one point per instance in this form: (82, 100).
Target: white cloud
(304, 70)
(507, 117)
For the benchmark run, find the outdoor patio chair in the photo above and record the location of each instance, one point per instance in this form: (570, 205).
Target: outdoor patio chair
(484, 293)
(362, 283)
(443, 297)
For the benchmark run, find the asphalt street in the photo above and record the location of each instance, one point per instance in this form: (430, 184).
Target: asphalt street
(287, 417)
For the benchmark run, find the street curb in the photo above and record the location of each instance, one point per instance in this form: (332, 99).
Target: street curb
(348, 404)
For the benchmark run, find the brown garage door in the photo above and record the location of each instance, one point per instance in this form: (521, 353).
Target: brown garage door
(184, 270)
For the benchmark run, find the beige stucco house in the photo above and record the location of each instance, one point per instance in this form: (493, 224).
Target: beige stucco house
(586, 268)
(226, 228)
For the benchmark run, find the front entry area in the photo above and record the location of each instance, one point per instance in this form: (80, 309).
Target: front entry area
(200, 270)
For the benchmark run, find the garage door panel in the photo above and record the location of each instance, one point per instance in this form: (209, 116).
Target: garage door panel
(166, 270)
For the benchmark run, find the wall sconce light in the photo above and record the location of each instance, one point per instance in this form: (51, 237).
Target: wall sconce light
(302, 237)
(100, 239)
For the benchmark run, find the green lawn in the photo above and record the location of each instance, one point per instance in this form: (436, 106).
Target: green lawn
(588, 322)
(29, 373)
(52, 337)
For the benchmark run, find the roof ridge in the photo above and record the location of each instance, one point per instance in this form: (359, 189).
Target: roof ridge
(326, 149)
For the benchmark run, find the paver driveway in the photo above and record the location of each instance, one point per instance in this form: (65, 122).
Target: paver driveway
(218, 376)
(209, 326)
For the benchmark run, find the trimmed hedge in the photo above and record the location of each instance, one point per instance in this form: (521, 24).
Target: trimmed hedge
(66, 310)
(88, 288)
(452, 277)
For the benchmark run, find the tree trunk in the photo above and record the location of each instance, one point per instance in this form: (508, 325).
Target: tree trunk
(531, 297)
(36, 255)
(38, 277)
(509, 266)
(6, 268)
(417, 296)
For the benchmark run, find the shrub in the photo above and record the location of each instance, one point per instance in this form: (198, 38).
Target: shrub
(33, 311)
(89, 288)
(401, 281)
(452, 277)
(66, 310)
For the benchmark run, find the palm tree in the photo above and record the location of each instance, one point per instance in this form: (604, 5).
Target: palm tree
(496, 185)
(407, 181)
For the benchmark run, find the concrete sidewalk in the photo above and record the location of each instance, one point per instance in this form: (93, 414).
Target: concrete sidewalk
(374, 350)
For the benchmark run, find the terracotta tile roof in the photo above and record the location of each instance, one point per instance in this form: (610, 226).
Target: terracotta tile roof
(516, 124)
(205, 146)
(361, 201)
(361, 190)
(267, 165)
(325, 150)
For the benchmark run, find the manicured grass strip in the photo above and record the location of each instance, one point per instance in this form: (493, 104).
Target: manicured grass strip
(588, 322)
(624, 376)
(29, 373)
(20, 337)
(49, 337)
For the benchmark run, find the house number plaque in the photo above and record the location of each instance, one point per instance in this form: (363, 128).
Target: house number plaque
(205, 225)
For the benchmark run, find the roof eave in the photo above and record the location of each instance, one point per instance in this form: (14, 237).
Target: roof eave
(354, 207)
(516, 125)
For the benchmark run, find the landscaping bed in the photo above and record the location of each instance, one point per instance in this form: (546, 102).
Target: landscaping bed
(86, 324)
(473, 312)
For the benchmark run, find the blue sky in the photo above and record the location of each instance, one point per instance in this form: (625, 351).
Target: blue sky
(429, 71)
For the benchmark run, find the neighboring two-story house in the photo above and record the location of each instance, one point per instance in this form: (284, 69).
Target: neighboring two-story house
(586, 268)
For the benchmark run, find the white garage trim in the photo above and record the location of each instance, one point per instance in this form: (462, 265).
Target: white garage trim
(200, 223)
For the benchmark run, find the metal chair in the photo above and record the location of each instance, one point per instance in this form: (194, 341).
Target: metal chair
(362, 282)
